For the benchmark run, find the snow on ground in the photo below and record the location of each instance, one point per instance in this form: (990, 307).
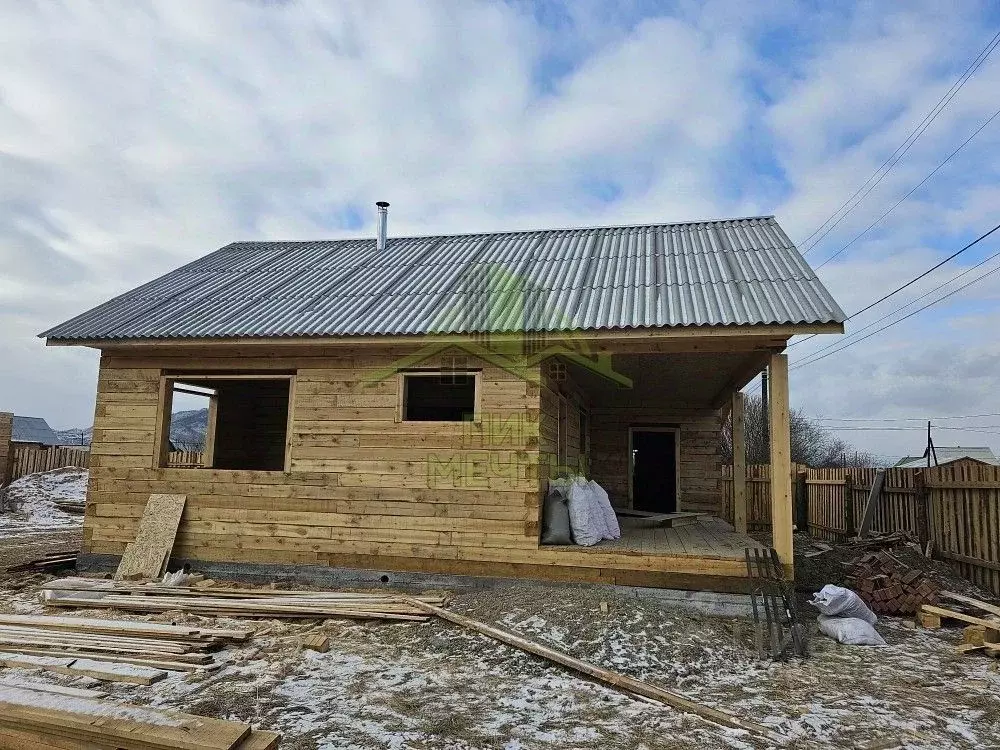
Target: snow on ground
(33, 496)
(416, 686)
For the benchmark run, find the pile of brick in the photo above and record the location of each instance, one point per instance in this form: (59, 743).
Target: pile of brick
(888, 586)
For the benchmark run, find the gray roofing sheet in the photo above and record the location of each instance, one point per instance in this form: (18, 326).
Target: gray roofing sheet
(33, 430)
(729, 272)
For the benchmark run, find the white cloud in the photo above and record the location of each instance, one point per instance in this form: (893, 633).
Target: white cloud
(136, 137)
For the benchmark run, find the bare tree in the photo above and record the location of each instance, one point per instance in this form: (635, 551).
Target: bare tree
(812, 444)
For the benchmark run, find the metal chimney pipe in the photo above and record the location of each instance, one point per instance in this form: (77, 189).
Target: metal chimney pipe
(383, 218)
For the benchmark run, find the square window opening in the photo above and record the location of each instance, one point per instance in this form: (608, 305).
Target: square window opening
(220, 423)
(448, 396)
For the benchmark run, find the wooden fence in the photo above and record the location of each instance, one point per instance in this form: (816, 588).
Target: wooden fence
(955, 508)
(185, 459)
(29, 459)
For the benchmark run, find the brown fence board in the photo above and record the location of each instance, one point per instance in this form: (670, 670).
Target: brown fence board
(955, 507)
(31, 459)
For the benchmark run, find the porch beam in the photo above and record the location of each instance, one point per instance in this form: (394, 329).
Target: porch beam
(739, 464)
(748, 370)
(781, 461)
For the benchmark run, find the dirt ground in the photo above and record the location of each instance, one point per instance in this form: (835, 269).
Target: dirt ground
(434, 685)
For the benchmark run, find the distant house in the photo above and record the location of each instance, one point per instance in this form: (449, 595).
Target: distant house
(945, 455)
(33, 430)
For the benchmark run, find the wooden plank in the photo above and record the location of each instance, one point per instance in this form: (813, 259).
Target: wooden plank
(781, 463)
(85, 667)
(124, 627)
(117, 725)
(951, 614)
(991, 608)
(147, 556)
(874, 496)
(260, 739)
(739, 463)
(606, 676)
(47, 687)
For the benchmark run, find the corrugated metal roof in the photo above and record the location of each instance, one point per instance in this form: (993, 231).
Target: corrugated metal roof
(729, 272)
(947, 454)
(33, 430)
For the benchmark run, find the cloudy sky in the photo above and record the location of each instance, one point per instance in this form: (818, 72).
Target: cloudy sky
(137, 136)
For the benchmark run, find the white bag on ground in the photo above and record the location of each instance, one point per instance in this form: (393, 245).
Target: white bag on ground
(584, 516)
(603, 502)
(836, 601)
(851, 631)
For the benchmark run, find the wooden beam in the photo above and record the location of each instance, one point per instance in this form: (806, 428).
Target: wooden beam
(781, 460)
(164, 413)
(208, 455)
(739, 464)
(747, 371)
(615, 679)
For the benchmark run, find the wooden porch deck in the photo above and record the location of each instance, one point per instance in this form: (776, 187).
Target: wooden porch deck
(706, 555)
(709, 538)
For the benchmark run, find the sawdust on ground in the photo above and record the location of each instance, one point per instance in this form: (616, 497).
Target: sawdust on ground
(434, 685)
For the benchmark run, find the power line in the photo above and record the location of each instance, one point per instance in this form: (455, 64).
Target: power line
(904, 419)
(900, 320)
(849, 342)
(901, 150)
(912, 190)
(912, 281)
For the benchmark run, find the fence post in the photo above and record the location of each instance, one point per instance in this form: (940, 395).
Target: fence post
(922, 501)
(801, 502)
(848, 505)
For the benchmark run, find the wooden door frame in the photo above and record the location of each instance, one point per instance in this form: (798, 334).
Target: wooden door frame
(677, 459)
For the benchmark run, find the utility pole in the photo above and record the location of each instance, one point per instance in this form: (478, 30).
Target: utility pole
(930, 447)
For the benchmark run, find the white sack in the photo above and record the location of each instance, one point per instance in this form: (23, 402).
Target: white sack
(584, 517)
(607, 513)
(836, 601)
(851, 631)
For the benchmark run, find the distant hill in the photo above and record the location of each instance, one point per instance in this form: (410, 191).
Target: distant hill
(75, 436)
(187, 431)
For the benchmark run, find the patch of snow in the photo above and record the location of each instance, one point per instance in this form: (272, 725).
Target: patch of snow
(33, 498)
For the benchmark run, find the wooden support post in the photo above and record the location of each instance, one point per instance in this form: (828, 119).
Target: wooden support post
(781, 460)
(208, 454)
(739, 464)
(922, 500)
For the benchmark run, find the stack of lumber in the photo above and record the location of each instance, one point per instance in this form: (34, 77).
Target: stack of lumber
(42, 720)
(50, 561)
(113, 650)
(981, 634)
(270, 603)
(888, 586)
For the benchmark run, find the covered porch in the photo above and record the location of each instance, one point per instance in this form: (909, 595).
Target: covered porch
(651, 437)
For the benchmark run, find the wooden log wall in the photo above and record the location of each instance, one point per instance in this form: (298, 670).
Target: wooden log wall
(31, 459)
(363, 489)
(954, 507)
(700, 468)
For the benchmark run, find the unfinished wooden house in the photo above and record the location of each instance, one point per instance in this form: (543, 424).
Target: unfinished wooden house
(399, 405)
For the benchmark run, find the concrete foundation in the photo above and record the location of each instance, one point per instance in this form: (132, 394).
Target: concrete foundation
(704, 602)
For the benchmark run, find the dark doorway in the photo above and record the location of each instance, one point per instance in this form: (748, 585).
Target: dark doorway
(654, 471)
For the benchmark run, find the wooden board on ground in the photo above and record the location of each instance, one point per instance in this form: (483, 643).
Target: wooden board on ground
(78, 667)
(93, 723)
(949, 614)
(641, 518)
(260, 739)
(147, 556)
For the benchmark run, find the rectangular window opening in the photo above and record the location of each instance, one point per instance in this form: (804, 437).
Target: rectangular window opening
(226, 423)
(448, 396)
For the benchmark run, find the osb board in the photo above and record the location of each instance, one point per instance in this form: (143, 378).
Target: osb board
(147, 556)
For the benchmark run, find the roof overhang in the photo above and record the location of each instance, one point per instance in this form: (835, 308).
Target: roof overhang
(753, 335)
